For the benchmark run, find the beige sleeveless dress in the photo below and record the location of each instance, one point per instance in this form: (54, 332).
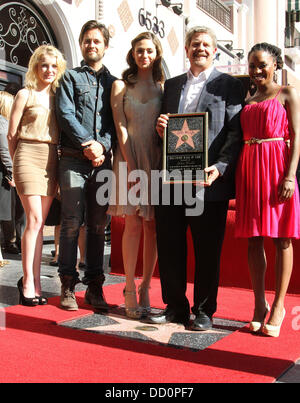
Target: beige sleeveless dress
(141, 123)
(36, 161)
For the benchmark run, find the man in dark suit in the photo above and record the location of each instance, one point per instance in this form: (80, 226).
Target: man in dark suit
(202, 89)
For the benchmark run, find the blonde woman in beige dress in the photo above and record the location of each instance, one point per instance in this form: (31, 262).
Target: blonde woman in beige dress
(136, 104)
(33, 137)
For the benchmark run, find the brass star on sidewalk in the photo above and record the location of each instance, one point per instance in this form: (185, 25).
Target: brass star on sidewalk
(185, 135)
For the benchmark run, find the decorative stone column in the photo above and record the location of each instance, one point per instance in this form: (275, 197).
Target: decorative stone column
(243, 32)
(269, 21)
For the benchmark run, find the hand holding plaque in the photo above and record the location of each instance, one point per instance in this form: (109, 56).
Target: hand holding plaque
(185, 148)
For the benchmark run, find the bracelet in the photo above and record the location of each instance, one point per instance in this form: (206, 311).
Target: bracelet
(289, 180)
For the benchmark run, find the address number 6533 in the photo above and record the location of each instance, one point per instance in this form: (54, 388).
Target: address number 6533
(151, 23)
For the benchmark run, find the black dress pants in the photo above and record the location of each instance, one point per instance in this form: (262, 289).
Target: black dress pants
(208, 232)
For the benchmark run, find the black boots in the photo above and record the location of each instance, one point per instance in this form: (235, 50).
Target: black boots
(94, 294)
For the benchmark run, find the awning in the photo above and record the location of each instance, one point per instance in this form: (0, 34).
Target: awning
(293, 5)
(293, 12)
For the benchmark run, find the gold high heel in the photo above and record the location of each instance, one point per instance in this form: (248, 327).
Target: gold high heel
(255, 327)
(134, 312)
(271, 330)
(144, 302)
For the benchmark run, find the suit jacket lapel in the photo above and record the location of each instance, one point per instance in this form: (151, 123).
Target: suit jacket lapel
(206, 98)
(176, 92)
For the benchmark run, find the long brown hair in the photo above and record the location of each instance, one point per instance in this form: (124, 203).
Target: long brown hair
(130, 75)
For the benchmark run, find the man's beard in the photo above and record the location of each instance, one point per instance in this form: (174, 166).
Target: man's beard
(95, 58)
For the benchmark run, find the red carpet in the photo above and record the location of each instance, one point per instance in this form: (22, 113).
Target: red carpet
(234, 265)
(34, 349)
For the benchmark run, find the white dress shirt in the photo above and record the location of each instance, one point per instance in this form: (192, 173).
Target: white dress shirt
(192, 90)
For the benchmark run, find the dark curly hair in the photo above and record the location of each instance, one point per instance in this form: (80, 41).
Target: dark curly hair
(130, 75)
(273, 51)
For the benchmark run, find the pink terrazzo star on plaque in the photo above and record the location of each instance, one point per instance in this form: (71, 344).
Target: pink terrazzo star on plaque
(185, 135)
(159, 333)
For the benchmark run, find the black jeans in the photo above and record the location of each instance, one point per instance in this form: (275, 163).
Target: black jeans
(78, 187)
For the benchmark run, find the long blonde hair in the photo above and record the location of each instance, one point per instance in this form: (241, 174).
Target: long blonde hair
(6, 103)
(31, 79)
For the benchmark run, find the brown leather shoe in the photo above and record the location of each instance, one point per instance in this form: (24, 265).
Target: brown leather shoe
(67, 298)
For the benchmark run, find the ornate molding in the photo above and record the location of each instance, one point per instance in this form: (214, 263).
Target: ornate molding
(22, 30)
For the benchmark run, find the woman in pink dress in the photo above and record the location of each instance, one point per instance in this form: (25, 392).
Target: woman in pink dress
(267, 191)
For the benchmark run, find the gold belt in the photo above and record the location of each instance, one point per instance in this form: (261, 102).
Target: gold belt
(253, 140)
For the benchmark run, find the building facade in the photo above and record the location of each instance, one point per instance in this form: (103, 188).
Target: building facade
(25, 24)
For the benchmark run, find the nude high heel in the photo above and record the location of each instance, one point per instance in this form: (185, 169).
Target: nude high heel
(144, 303)
(255, 327)
(271, 330)
(131, 312)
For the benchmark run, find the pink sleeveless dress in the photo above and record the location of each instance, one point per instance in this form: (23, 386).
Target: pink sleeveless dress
(261, 169)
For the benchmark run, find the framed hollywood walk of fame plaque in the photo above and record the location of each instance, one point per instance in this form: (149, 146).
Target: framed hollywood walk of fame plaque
(185, 148)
